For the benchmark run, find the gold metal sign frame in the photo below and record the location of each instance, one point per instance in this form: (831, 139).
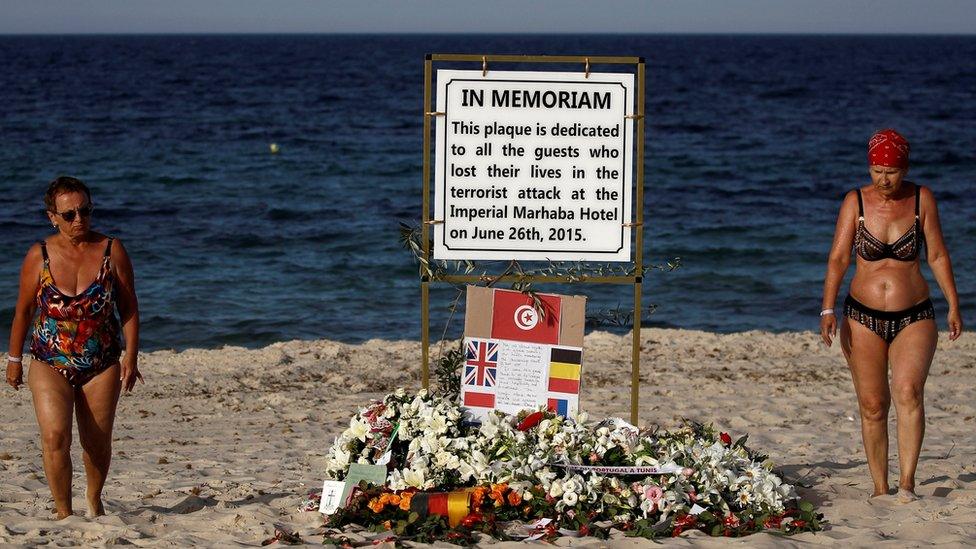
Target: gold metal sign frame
(586, 63)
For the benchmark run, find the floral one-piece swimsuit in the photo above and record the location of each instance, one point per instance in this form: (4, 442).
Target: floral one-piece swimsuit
(79, 335)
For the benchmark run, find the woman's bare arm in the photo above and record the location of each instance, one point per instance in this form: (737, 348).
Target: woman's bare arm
(30, 274)
(128, 305)
(838, 261)
(938, 258)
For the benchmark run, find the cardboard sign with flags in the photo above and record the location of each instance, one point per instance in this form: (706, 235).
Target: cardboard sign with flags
(520, 354)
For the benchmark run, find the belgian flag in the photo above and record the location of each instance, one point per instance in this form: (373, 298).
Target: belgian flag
(565, 366)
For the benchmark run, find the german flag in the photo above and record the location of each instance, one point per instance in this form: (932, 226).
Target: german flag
(453, 505)
(564, 370)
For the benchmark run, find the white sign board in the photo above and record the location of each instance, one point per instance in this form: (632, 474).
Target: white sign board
(331, 501)
(533, 165)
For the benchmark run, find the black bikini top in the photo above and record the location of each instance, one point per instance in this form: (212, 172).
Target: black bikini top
(906, 248)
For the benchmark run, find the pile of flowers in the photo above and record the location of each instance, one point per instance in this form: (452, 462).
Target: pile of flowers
(422, 438)
(543, 475)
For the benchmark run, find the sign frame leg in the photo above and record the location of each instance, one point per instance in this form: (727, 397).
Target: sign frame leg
(425, 223)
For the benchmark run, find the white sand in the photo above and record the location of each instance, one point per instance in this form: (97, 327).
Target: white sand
(220, 445)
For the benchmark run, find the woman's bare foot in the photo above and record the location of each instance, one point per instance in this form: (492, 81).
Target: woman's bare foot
(907, 495)
(95, 507)
(880, 492)
(63, 514)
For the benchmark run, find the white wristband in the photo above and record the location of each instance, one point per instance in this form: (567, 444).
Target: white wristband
(826, 312)
(15, 359)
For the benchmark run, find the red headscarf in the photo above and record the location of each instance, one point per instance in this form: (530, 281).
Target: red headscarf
(888, 148)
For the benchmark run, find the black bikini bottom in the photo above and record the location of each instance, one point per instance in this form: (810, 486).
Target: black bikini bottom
(887, 324)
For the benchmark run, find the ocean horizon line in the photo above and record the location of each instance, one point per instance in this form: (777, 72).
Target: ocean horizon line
(489, 33)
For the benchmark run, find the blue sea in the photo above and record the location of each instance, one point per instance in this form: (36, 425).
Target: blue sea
(752, 141)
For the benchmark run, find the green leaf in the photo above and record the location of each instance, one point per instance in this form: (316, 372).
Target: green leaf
(717, 530)
(806, 506)
(413, 517)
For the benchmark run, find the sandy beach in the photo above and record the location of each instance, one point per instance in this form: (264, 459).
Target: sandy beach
(219, 446)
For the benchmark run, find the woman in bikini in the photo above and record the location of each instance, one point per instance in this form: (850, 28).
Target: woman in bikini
(75, 281)
(888, 316)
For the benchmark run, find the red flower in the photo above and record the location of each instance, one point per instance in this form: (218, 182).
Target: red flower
(584, 530)
(685, 521)
(773, 522)
(799, 523)
(530, 421)
(726, 438)
(731, 520)
(470, 520)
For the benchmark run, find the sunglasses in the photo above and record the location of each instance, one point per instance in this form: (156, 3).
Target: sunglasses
(69, 216)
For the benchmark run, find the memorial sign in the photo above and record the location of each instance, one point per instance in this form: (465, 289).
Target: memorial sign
(533, 165)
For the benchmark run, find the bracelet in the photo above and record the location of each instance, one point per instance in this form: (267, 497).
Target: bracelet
(15, 359)
(826, 312)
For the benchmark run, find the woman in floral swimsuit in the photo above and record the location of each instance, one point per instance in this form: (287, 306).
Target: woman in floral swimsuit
(78, 367)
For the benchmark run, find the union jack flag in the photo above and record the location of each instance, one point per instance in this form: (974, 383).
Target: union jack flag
(481, 363)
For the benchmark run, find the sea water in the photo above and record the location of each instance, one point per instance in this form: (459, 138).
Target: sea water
(751, 143)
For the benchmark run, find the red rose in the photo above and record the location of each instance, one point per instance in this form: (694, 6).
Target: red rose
(584, 530)
(799, 523)
(731, 521)
(726, 439)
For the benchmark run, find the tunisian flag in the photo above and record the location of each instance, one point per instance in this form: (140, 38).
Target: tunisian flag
(515, 319)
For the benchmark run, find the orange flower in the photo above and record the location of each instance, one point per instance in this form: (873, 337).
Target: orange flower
(394, 499)
(498, 493)
(513, 498)
(405, 500)
(478, 496)
(375, 505)
(388, 525)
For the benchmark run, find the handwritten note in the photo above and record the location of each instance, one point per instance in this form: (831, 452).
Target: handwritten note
(522, 369)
